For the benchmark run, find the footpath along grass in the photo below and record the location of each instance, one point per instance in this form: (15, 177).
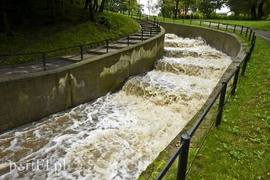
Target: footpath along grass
(240, 147)
(63, 34)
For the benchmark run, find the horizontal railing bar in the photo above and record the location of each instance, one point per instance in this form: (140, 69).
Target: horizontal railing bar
(220, 91)
(170, 162)
(32, 53)
(204, 113)
(232, 74)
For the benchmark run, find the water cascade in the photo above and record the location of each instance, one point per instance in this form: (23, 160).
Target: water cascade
(118, 135)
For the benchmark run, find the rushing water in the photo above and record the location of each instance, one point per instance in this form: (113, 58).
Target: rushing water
(118, 135)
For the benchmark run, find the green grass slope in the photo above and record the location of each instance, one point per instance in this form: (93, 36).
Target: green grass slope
(240, 147)
(71, 30)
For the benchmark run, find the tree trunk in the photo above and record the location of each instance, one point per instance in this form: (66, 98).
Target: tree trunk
(95, 6)
(86, 4)
(63, 9)
(176, 9)
(253, 12)
(101, 8)
(91, 12)
(260, 11)
(48, 4)
(5, 17)
(54, 11)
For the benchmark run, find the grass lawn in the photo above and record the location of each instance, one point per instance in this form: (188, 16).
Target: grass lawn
(262, 25)
(239, 148)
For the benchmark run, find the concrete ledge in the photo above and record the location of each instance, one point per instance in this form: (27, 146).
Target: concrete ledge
(31, 97)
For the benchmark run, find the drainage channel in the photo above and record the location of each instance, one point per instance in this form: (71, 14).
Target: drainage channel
(118, 135)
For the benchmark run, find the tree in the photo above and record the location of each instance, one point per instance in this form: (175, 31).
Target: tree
(253, 8)
(89, 4)
(167, 10)
(149, 6)
(176, 8)
(101, 8)
(207, 7)
(113, 5)
(54, 10)
(129, 5)
(3, 8)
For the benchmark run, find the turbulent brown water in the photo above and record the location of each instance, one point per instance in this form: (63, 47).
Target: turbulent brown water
(117, 136)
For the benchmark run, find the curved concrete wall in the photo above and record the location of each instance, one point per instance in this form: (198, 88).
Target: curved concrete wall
(225, 42)
(32, 97)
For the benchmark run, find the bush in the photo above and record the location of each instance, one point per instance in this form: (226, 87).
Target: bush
(197, 15)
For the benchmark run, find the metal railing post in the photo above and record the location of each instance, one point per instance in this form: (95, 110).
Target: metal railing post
(81, 48)
(250, 35)
(107, 45)
(245, 64)
(235, 81)
(142, 35)
(247, 31)
(183, 157)
(221, 103)
(241, 30)
(253, 38)
(209, 24)
(234, 28)
(227, 27)
(44, 61)
(200, 23)
(218, 25)
(128, 40)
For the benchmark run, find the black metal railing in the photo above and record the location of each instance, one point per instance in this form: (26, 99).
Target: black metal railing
(243, 30)
(43, 54)
(182, 151)
(153, 29)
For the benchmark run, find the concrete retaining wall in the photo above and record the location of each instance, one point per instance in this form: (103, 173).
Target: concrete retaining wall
(31, 97)
(220, 40)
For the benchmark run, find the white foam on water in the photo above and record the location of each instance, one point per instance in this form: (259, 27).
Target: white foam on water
(118, 135)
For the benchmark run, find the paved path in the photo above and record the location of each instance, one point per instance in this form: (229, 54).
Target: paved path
(263, 34)
(148, 30)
